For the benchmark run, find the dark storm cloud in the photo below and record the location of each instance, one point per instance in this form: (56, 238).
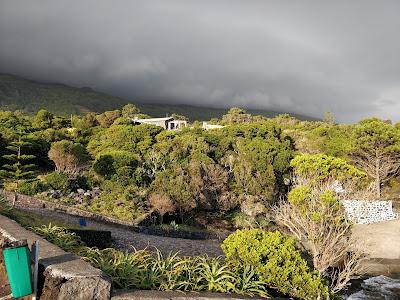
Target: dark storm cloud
(299, 56)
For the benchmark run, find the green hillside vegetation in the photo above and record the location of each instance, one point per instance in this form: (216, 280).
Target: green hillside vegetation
(30, 96)
(265, 177)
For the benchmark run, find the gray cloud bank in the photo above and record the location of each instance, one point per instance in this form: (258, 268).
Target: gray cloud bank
(299, 56)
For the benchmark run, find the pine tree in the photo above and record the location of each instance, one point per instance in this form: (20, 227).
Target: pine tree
(19, 165)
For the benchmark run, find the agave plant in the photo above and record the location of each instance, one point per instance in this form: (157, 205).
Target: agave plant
(247, 283)
(213, 276)
(59, 236)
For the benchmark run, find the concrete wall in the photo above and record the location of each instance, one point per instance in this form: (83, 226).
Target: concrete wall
(62, 275)
(366, 212)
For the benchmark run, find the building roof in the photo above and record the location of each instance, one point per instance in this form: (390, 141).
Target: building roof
(154, 119)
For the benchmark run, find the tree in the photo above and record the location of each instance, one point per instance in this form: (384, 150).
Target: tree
(377, 150)
(107, 118)
(329, 118)
(129, 111)
(236, 115)
(19, 165)
(257, 156)
(137, 139)
(43, 119)
(317, 219)
(68, 157)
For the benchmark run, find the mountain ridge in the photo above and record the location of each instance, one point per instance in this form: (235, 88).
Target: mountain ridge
(29, 95)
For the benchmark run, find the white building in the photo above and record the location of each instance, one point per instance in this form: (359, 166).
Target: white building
(167, 123)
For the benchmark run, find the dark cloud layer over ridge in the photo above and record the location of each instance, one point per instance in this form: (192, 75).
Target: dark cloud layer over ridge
(301, 56)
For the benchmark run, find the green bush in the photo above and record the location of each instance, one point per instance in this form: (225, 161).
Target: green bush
(109, 163)
(57, 181)
(31, 188)
(276, 262)
(65, 182)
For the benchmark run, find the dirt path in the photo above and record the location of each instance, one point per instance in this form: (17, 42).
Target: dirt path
(382, 239)
(126, 240)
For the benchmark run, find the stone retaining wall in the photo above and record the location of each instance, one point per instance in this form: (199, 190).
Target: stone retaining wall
(366, 212)
(62, 275)
(24, 201)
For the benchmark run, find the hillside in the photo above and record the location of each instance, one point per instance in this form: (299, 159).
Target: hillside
(30, 96)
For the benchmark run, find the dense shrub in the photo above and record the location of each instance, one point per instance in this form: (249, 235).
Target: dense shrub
(31, 188)
(57, 181)
(123, 202)
(120, 166)
(65, 182)
(320, 167)
(276, 261)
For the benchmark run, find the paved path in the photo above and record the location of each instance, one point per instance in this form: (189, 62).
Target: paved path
(126, 240)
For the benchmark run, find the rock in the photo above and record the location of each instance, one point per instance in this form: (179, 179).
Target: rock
(80, 191)
(87, 194)
(379, 287)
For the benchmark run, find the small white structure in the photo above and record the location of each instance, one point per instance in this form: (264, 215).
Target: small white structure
(207, 126)
(366, 212)
(167, 123)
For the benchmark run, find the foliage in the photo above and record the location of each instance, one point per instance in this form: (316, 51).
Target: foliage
(317, 219)
(318, 168)
(108, 163)
(59, 236)
(19, 166)
(377, 150)
(43, 119)
(31, 187)
(236, 115)
(123, 202)
(276, 262)
(65, 182)
(68, 156)
(141, 270)
(137, 139)
(107, 118)
(130, 111)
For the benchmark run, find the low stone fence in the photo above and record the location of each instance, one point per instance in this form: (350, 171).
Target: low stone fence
(24, 201)
(369, 211)
(190, 235)
(62, 275)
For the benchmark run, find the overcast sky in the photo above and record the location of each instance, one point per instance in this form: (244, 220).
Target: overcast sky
(297, 56)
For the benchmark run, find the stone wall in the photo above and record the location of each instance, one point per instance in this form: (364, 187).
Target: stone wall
(366, 212)
(26, 202)
(62, 275)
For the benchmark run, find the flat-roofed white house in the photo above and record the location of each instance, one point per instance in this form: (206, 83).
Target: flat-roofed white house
(168, 123)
